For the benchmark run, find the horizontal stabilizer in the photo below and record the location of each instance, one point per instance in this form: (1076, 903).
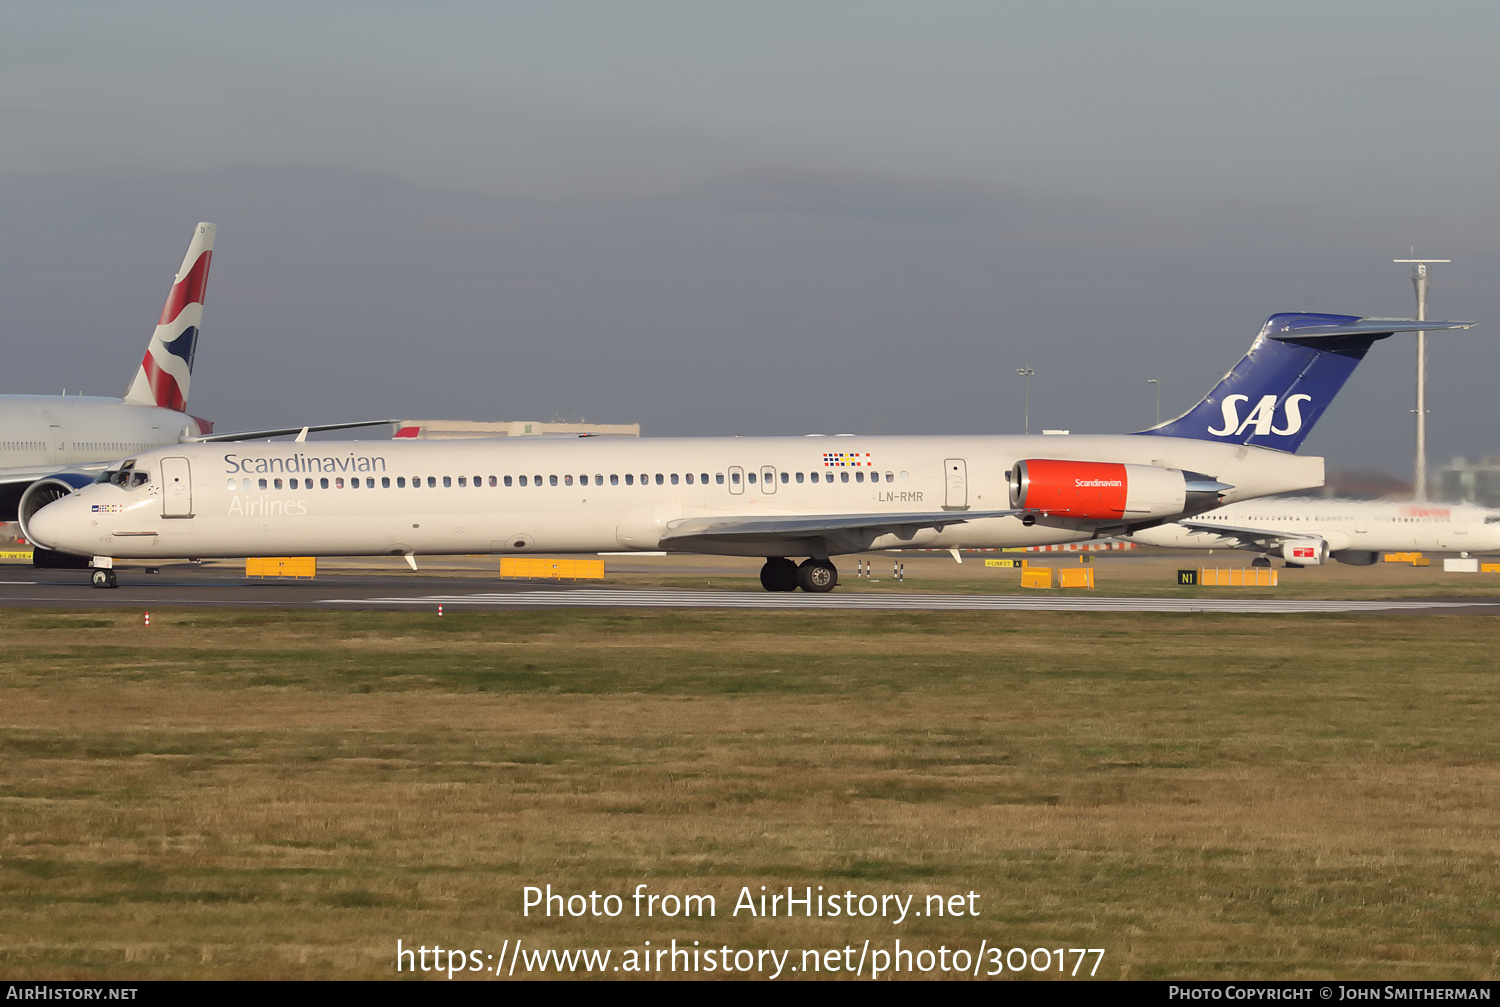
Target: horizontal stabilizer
(1377, 327)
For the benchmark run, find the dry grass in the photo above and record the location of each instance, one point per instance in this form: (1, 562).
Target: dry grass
(264, 794)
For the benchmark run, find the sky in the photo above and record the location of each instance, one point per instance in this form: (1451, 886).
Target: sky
(752, 218)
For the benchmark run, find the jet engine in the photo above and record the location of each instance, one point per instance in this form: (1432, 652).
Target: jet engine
(1305, 551)
(1102, 491)
(38, 495)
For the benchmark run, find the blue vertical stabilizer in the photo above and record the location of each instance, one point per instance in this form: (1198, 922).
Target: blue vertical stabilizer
(1279, 389)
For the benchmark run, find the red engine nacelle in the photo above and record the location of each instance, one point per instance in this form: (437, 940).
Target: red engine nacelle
(1305, 551)
(1097, 491)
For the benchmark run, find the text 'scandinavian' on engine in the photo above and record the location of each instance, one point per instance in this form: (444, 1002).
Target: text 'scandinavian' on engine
(782, 498)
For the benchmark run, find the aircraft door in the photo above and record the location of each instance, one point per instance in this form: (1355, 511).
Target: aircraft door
(736, 479)
(176, 488)
(768, 479)
(58, 444)
(956, 478)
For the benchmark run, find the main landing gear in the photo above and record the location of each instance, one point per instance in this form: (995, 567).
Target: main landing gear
(817, 576)
(103, 578)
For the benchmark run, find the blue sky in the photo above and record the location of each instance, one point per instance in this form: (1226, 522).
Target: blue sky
(750, 218)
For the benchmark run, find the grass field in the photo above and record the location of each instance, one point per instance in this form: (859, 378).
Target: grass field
(285, 794)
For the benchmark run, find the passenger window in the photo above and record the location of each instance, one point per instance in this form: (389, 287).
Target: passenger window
(645, 478)
(323, 483)
(262, 484)
(369, 482)
(523, 480)
(674, 478)
(874, 477)
(463, 481)
(734, 477)
(719, 478)
(537, 480)
(598, 479)
(704, 475)
(233, 485)
(354, 483)
(552, 480)
(492, 480)
(401, 482)
(904, 476)
(828, 477)
(859, 477)
(844, 476)
(337, 483)
(477, 482)
(276, 483)
(690, 479)
(447, 481)
(785, 478)
(614, 480)
(750, 477)
(799, 477)
(890, 477)
(629, 479)
(432, 482)
(507, 480)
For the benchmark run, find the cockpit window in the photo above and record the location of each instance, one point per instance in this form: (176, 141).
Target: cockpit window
(125, 477)
(1492, 519)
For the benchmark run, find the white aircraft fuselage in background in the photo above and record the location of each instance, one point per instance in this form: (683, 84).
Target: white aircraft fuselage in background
(1351, 531)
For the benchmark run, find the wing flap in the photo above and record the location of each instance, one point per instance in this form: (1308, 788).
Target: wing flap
(812, 526)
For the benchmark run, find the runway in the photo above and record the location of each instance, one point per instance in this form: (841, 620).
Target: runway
(194, 586)
(649, 598)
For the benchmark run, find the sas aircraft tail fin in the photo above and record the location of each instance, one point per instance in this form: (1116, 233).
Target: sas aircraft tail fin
(162, 379)
(1279, 389)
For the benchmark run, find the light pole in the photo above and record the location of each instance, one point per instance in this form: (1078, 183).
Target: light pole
(1027, 372)
(1419, 280)
(1157, 383)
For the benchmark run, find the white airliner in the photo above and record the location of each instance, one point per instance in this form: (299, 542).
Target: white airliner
(52, 444)
(776, 497)
(1309, 532)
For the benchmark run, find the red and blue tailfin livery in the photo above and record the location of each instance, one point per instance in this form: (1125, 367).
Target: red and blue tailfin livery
(1279, 389)
(167, 367)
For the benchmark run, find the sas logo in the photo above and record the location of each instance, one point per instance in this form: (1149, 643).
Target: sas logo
(846, 459)
(1303, 552)
(108, 508)
(1263, 416)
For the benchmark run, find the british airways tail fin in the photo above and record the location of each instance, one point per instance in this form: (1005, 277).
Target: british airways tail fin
(162, 379)
(1295, 367)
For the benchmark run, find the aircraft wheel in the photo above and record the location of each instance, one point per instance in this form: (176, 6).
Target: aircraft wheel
(104, 578)
(817, 576)
(779, 574)
(1260, 561)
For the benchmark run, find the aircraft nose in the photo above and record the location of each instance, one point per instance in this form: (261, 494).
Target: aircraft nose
(49, 526)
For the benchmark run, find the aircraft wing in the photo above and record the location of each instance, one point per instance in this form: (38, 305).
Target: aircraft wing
(255, 435)
(1250, 536)
(780, 529)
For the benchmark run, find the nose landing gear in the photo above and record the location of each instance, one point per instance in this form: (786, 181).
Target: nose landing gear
(103, 579)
